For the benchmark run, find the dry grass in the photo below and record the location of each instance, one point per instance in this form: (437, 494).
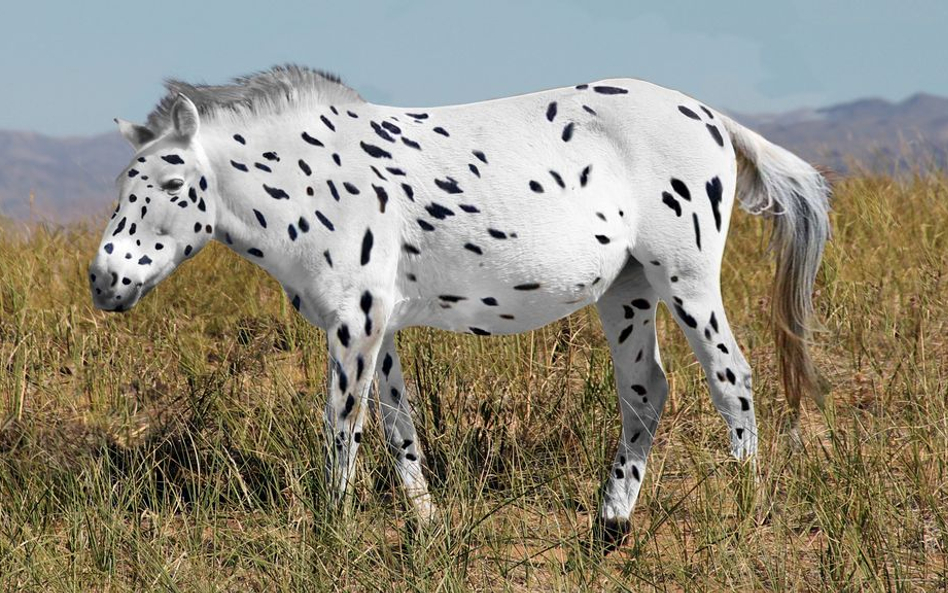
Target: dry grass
(179, 447)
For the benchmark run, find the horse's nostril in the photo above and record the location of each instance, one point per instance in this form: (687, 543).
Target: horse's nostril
(98, 291)
(126, 281)
(114, 279)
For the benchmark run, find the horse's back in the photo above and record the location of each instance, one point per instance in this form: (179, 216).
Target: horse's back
(536, 202)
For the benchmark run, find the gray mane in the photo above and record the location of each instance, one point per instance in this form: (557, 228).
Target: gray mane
(270, 91)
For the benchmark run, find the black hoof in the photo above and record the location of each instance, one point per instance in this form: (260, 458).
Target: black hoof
(611, 533)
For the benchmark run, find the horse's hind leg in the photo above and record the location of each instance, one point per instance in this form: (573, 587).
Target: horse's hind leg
(627, 311)
(693, 294)
(395, 412)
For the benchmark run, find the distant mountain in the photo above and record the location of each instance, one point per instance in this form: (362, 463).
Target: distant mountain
(869, 133)
(72, 178)
(69, 178)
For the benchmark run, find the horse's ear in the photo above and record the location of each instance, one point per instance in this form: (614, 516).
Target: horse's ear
(136, 135)
(185, 118)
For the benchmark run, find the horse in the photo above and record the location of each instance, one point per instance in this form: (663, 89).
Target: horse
(495, 217)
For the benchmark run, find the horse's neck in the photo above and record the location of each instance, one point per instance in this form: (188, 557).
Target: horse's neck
(242, 192)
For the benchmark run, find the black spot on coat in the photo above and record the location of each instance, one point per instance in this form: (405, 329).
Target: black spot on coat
(558, 179)
(610, 90)
(343, 335)
(449, 185)
(715, 192)
(671, 202)
(325, 221)
(438, 211)
(694, 220)
(680, 188)
(715, 133)
(309, 139)
(375, 151)
(689, 113)
(332, 189)
(685, 317)
(367, 241)
(382, 196)
(276, 193)
(584, 176)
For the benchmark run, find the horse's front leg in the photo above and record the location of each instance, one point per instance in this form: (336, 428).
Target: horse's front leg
(354, 341)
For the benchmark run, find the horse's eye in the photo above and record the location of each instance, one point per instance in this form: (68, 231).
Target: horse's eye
(172, 185)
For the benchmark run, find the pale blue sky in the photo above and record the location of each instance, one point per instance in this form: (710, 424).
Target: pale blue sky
(70, 67)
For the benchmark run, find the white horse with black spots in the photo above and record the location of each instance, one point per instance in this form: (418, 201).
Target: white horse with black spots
(490, 218)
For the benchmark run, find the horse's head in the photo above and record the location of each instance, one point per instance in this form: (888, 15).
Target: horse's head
(165, 214)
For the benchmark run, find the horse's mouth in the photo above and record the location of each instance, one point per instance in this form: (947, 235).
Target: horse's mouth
(107, 302)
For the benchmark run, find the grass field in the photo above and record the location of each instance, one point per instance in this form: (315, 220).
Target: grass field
(179, 446)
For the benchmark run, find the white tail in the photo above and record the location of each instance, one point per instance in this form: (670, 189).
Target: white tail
(775, 183)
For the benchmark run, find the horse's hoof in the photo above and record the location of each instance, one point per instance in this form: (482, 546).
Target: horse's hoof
(610, 534)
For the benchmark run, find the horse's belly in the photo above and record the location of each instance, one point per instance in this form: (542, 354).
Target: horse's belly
(512, 288)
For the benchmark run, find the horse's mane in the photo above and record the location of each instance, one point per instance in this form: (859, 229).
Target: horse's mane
(270, 91)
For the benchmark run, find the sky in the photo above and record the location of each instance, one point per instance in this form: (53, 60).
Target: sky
(70, 67)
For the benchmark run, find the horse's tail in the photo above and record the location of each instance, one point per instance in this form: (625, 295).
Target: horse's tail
(777, 184)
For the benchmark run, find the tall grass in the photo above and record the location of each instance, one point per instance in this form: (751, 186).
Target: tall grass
(179, 447)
